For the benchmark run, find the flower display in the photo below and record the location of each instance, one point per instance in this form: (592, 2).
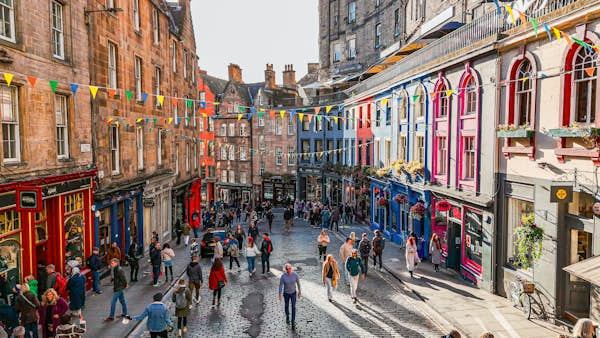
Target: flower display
(400, 199)
(418, 209)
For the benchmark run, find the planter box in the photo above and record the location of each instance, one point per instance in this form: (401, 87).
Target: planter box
(574, 132)
(518, 133)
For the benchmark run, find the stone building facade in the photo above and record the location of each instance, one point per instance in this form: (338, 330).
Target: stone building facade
(46, 141)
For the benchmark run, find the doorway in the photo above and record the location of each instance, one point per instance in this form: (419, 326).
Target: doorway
(578, 290)
(453, 240)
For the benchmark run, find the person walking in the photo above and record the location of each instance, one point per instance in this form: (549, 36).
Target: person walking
(182, 298)
(155, 261)
(53, 307)
(178, 231)
(194, 248)
(412, 256)
(270, 218)
(113, 252)
(95, 264)
(325, 218)
(330, 275)
(133, 259)
(76, 288)
(355, 267)
(119, 286)
(167, 255)
(354, 240)
(240, 235)
(196, 223)
(345, 252)
(217, 280)
(218, 253)
(266, 247)
(253, 231)
(251, 253)
(233, 250)
(322, 242)
(186, 233)
(335, 219)
(238, 214)
(288, 217)
(194, 273)
(364, 249)
(435, 249)
(348, 214)
(378, 246)
(27, 306)
(289, 286)
(159, 318)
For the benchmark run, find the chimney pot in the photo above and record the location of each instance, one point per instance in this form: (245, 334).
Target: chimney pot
(235, 73)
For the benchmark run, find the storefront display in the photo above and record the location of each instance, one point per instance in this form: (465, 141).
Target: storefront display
(472, 248)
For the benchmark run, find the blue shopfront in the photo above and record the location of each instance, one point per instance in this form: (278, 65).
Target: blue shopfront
(391, 203)
(119, 219)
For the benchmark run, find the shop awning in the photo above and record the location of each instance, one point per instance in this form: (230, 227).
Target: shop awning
(588, 269)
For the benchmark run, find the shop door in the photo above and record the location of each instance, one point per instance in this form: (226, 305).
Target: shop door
(454, 249)
(578, 290)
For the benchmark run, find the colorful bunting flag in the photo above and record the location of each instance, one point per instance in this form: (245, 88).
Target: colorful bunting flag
(497, 7)
(317, 110)
(240, 116)
(383, 102)
(32, 80)
(534, 23)
(557, 33)
(523, 21)
(448, 92)
(94, 91)
(300, 116)
(272, 113)
(328, 109)
(53, 85)
(547, 29)
(74, 87)
(144, 97)
(242, 109)
(111, 93)
(170, 120)
(161, 99)
(416, 97)
(174, 101)
(568, 38)
(8, 78)
(128, 94)
(189, 103)
(282, 113)
(510, 12)
(590, 71)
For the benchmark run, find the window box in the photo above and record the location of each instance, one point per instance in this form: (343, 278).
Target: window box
(574, 132)
(517, 133)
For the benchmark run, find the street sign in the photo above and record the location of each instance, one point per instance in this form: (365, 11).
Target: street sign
(561, 193)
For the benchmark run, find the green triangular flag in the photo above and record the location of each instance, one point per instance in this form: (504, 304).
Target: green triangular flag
(319, 117)
(242, 109)
(261, 114)
(187, 119)
(189, 103)
(415, 98)
(128, 93)
(154, 120)
(53, 84)
(535, 26)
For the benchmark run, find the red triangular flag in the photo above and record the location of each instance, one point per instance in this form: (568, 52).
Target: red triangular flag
(590, 71)
(111, 93)
(174, 101)
(32, 80)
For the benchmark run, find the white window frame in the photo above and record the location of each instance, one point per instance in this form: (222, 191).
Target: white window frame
(201, 148)
(174, 55)
(10, 35)
(377, 35)
(115, 159)
(278, 156)
(261, 142)
(290, 161)
(112, 65)
(232, 129)
(224, 176)
(223, 152)
(223, 129)
(140, 147)
(187, 157)
(110, 3)
(291, 129)
(138, 78)
(57, 23)
(185, 65)
(352, 11)
(159, 147)
(243, 177)
(175, 110)
(232, 152)
(61, 107)
(195, 154)
(337, 52)
(157, 75)
(261, 121)
(231, 176)
(136, 15)
(243, 129)
(278, 126)
(12, 124)
(243, 153)
(155, 26)
(352, 49)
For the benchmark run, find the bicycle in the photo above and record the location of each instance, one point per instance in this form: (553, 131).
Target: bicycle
(524, 294)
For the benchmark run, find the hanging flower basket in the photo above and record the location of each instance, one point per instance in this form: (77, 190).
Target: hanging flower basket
(364, 191)
(382, 202)
(529, 241)
(400, 199)
(418, 209)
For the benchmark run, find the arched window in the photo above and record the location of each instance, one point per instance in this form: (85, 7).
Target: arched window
(584, 87)
(471, 96)
(443, 101)
(441, 126)
(468, 130)
(523, 94)
(420, 102)
(402, 112)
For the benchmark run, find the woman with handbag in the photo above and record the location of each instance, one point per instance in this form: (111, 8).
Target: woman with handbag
(217, 280)
(322, 242)
(435, 249)
(330, 275)
(412, 256)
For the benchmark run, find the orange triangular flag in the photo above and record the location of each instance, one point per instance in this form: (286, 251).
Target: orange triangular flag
(174, 101)
(317, 110)
(567, 37)
(272, 113)
(432, 94)
(523, 21)
(111, 93)
(308, 117)
(590, 71)
(32, 80)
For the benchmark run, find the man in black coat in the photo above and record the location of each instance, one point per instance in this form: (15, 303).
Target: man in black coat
(95, 264)
(155, 260)
(119, 286)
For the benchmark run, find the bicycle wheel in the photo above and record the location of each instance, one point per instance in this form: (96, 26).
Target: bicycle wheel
(526, 300)
(537, 308)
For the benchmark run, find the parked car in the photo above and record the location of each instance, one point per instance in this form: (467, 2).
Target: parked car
(207, 244)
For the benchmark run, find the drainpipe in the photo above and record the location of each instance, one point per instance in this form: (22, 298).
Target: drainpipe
(496, 181)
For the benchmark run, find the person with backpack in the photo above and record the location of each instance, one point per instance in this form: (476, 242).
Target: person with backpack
(95, 264)
(270, 218)
(159, 319)
(288, 216)
(76, 288)
(119, 286)
(253, 231)
(134, 261)
(56, 281)
(217, 280)
(364, 248)
(27, 306)
(233, 250)
(325, 218)
(378, 246)
(266, 247)
(194, 273)
(182, 297)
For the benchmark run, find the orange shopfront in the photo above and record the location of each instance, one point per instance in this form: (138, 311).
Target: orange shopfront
(60, 232)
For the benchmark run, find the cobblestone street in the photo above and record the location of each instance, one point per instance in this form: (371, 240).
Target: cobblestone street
(250, 307)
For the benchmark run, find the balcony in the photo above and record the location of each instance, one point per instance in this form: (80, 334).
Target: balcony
(517, 133)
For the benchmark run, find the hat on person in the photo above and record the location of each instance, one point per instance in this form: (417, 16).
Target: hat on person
(95, 248)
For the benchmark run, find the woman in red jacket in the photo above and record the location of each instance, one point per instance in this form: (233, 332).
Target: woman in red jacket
(217, 280)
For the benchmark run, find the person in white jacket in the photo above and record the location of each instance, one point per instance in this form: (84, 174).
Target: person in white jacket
(412, 256)
(218, 249)
(167, 255)
(251, 252)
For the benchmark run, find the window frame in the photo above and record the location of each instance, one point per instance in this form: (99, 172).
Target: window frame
(351, 49)
(441, 130)
(135, 8)
(112, 54)
(278, 156)
(157, 79)
(115, 151)
(139, 138)
(466, 120)
(57, 32)
(290, 159)
(174, 56)
(155, 26)
(137, 73)
(64, 126)
(11, 20)
(15, 123)
(377, 35)
(352, 12)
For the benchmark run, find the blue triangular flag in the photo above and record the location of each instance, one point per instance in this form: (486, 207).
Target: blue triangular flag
(147, 120)
(144, 97)
(548, 32)
(249, 116)
(497, 7)
(74, 87)
(203, 104)
(178, 120)
(252, 110)
(341, 107)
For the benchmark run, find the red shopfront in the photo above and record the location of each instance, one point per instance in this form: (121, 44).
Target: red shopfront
(60, 232)
(194, 199)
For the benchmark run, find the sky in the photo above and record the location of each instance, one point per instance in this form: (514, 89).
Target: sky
(252, 33)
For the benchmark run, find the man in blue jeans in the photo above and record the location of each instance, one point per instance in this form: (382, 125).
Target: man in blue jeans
(289, 283)
(155, 260)
(119, 286)
(95, 264)
(159, 319)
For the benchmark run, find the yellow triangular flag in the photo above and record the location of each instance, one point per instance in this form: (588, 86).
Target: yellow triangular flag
(335, 118)
(300, 116)
(282, 113)
(8, 77)
(139, 119)
(557, 33)
(170, 120)
(240, 116)
(160, 99)
(510, 12)
(448, 92)
(384, 102)
(93, 90)
(327, 109)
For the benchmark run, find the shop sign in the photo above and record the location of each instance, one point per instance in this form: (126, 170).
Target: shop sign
(561, 193)
(443, 206)
(596, 208)
(29, 199)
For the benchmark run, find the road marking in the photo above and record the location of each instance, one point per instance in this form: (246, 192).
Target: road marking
(500, 318)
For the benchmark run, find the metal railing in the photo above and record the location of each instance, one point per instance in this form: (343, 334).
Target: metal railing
(482, 30)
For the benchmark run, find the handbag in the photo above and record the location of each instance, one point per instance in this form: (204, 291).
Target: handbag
(221, 284)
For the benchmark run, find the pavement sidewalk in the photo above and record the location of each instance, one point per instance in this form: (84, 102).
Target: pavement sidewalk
(471, 310)
(138, 295)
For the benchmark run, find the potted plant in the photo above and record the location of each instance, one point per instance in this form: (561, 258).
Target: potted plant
(382, 202)
(418, 209)
(513, 131)
(400, 199)
(529, 241)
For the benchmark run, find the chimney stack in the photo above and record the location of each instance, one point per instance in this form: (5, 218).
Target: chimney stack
(313, 67)
(270, 76)
(235, 73)
(289, 76)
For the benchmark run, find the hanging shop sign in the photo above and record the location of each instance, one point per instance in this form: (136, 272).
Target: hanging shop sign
(443, 206)
(596, 208)
(29, 199)
(561, 193)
